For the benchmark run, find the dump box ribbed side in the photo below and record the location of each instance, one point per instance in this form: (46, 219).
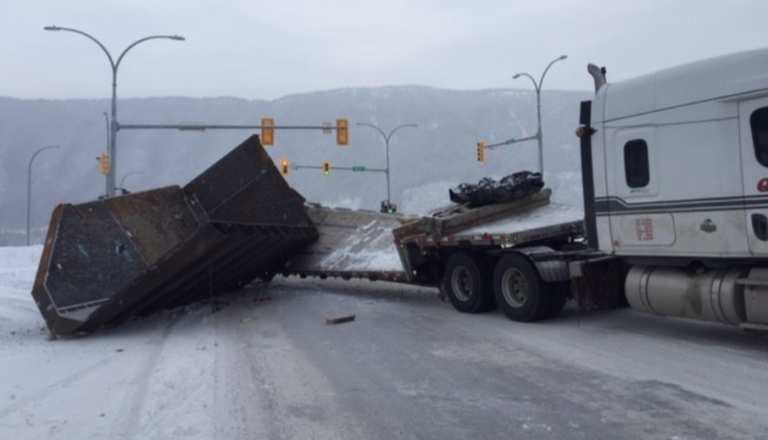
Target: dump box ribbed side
(109, 260)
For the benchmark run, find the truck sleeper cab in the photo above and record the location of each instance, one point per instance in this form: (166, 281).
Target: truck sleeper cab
(679, 180)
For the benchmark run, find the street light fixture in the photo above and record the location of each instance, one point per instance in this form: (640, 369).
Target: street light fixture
(115, 65)
(387, 137)
(29, 184)
(538, 86)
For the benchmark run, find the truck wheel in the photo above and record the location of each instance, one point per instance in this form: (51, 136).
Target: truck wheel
(559, 297)
(519, 290)
(467, 283)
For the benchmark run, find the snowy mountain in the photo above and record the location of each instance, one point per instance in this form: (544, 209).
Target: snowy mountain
(425, 161)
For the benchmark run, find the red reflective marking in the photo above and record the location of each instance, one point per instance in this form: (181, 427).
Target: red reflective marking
(762, 185)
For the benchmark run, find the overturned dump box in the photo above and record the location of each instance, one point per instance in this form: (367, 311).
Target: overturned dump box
(109, 260)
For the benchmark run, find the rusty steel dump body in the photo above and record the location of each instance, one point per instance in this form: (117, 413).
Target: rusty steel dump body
(109, 260)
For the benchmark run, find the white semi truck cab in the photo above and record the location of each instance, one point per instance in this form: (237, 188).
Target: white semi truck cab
(675, 168)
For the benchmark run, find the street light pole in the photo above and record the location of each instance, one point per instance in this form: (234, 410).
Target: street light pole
(114, 127)
(106, 120)
(386, 137)
(29, 184)
(537, 86)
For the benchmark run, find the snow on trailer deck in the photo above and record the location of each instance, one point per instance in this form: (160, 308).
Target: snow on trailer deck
(351, 244)
(367, 244)
(547, 216)
(528, 219)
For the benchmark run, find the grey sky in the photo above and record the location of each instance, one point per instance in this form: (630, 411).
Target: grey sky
(260, 49)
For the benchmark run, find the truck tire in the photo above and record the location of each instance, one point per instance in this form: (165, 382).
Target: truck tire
(519, 290)
(467, 283)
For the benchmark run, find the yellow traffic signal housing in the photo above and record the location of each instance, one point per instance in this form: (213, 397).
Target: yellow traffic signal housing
(285, 167)
(104, 163)
(342, 132)
(481, 151)
(267, 132)
(326, 168)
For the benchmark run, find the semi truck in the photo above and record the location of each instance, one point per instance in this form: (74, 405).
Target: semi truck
(675, 184)
(675, 168)
(674, 221)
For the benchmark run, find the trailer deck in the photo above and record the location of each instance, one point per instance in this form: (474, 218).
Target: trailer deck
(525, 220)
(351, 244)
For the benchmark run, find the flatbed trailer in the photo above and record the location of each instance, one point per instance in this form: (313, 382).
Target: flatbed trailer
(351, 244)
(458, 249)
(452, 249)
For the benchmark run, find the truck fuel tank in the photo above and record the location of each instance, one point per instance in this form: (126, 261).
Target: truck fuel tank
(707, 295)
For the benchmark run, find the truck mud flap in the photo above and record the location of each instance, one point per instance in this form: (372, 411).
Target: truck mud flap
(107, 261)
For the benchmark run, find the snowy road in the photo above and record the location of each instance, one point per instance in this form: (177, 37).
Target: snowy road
(266, 366)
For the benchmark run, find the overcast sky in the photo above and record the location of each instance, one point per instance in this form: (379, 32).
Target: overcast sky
(259, 49)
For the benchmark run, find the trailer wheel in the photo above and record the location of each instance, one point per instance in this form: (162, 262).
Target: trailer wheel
(467, 283)
(520, 293)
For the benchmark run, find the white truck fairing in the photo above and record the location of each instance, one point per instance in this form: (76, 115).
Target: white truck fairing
(676, 168)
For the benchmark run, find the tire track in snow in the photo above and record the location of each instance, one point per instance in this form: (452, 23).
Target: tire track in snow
(237, 402)
(266, 386)
(133, 403)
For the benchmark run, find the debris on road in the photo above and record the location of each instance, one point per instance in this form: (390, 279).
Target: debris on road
(340, 320)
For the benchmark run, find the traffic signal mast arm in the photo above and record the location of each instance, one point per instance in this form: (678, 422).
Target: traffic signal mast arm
(511, 141)
(357, 168)
(203, 127)
(267, 128)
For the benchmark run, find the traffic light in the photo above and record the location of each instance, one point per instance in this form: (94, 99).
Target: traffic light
(104, 163)
(285, 167)
(342, 132)
(326, 168)
(388, 207)
(481, 151)
(267, 132)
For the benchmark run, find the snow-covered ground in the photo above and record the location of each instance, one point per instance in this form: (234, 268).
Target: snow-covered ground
(98, 387)
(17, 273)
(266, 366)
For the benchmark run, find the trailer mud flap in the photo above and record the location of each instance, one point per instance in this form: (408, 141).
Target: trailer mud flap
(109, 260)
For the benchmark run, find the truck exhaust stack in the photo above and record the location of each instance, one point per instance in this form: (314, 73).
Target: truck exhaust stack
(109, 260)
